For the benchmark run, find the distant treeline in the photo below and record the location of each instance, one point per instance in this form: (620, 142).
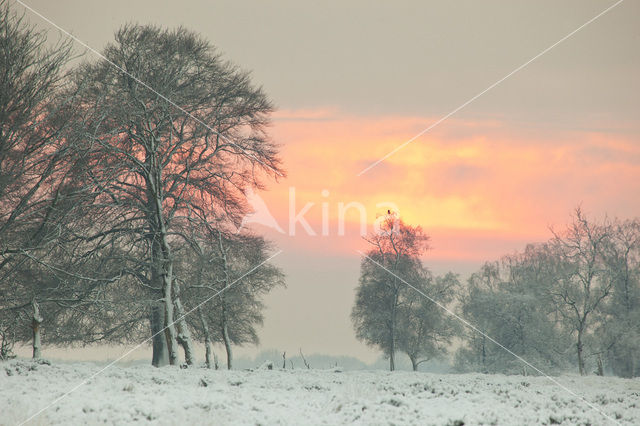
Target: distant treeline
(570, 302)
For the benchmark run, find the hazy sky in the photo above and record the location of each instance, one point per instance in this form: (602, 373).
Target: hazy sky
(354, 79)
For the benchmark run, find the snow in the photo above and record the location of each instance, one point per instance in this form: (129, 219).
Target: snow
(170, 395)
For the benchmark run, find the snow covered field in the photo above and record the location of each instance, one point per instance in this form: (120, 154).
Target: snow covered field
(143, 394)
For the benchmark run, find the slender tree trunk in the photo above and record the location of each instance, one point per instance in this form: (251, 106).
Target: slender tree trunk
(484, 355)
(225, 326)
(600, 366)
(414, 362)
(207, 339)
(392, 357)
(392, 343)
(227, 339)
(36, 321)
(207, 352)
(579, 348)
(160, 355)
(184, 336)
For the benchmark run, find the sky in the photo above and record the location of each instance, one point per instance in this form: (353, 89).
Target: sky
(354, 80)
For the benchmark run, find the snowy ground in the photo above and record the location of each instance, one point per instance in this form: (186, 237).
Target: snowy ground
(143, 394)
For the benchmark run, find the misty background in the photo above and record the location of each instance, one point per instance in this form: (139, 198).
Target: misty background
(368, 61)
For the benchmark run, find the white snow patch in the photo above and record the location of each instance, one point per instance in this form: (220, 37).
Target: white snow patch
(143, 394)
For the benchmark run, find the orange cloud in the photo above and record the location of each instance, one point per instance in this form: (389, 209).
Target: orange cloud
(483, 179)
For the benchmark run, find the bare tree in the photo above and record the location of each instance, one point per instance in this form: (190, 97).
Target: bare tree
(225, 270)
(38, 192)
(176, 134)
(72, 297)
(474, 308)
(582, 279)
(381, 294)
(304, 360)
(582, 285)
(619, 317)
(206, 333)
(8, 330)
(509, 301)
(31, 119)
(425, 328)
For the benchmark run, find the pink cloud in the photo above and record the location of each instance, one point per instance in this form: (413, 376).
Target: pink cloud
(479, 181)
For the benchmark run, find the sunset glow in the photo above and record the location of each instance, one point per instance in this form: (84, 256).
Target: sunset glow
(483, 126)
(463, 180)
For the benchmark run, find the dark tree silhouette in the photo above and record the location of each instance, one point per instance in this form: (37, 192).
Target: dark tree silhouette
(176, 134)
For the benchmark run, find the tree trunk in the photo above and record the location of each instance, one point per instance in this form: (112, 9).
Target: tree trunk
(600, 371)
(160, 355)
(169, 329)
(227, 283)
(184, 336)
(227, 341)
(36, 321)
(392, 337)
(414, 362)
(162, 262)
(164, 271)
(484, 354)
(392, 359)
(207, 352)
(207, 339)
(579, 348)
(161, 273)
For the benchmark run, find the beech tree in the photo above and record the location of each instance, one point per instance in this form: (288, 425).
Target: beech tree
(32, 116)
(69, 298)
(175, 136)
(38, 191)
